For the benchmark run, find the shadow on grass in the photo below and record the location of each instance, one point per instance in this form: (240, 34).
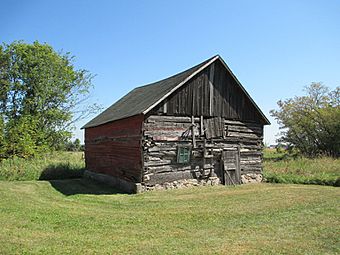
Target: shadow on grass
(68, 179)
(71, 187)
(61, 171)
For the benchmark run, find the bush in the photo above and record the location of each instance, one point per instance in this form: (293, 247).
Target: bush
(337, 182)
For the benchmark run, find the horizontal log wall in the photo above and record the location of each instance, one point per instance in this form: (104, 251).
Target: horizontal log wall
(162, 134)
(115, 148)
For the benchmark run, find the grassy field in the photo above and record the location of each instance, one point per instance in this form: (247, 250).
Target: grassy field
(80, 217)
(282, 168)
(57, 165)
(278, 168)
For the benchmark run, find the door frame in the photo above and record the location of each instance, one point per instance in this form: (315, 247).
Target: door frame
(232, 176)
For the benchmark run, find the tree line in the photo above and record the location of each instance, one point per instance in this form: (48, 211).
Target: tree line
(41, 95)
(310, 124)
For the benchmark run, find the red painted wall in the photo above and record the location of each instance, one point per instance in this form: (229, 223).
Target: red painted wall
(115, 148)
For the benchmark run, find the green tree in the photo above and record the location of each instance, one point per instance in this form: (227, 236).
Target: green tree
(77, 144)
(41, 95)
(311, 123)
(2, 138)
(73, 146)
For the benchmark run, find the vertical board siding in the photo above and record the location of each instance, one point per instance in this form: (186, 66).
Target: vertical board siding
(212, 92)
(115, 148)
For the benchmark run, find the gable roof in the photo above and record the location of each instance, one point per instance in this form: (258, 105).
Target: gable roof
(143, 99)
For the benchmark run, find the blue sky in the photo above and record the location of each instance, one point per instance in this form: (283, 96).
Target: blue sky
(275, 48)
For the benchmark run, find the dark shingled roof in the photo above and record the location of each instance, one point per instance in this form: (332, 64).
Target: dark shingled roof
(140, 99)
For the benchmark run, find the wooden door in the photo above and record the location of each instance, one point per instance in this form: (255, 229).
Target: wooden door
(231, 167)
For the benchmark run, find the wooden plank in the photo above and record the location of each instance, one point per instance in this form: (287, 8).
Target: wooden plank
(229, 175)
(170, 177)
(224, 133)
(207, 128)
(231, 165)
(165, 107)
(191, 96)
(204, 94)
(201, 126)
(220, 125)
(157, 163)
(211, 127)
(211, 88)
(241, 123)
(156, 118)
(238, 169)
(244, 135)
(214, 127)
(168, 168)
(244, 129)
(193, 131)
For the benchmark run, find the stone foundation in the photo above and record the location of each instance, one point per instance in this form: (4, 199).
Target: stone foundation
(131, 187)
(251, 178)
(211, 181)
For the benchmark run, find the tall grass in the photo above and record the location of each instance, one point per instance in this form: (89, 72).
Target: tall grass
(57, 165)
(281, 168)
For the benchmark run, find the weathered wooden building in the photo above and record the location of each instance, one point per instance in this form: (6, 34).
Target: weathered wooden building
(197, 127)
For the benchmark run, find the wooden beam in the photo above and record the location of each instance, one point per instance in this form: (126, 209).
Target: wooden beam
(211, 88)
(193, 131)
(165, 107)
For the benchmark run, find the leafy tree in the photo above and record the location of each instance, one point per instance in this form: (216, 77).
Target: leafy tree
(73, 146)
(2, 139)
(77, 144)
(41, 95)
(311, 123)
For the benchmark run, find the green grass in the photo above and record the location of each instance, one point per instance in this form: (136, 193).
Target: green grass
(38, 218)
(278, 168)
(57, 165)
(273, 154)
(281, 168)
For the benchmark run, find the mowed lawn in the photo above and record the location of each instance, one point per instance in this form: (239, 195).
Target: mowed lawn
(81, 217)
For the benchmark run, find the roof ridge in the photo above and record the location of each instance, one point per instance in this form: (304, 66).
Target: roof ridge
(177, 74)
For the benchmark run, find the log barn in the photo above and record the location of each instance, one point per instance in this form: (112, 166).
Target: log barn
(198, 127)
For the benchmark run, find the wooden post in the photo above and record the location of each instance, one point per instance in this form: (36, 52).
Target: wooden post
(165, 107)
(204, 153)
(224, 128)
(211, 89)
(193, 131)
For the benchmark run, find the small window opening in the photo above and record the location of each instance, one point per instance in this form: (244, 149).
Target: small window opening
(183, 154)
